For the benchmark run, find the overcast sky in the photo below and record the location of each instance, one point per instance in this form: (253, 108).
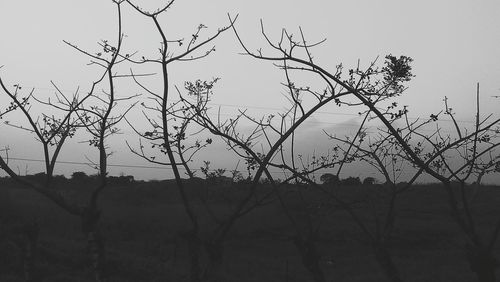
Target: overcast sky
(454, 44)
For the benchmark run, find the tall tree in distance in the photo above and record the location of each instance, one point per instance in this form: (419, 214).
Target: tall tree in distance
(168, 121)
(92, 111)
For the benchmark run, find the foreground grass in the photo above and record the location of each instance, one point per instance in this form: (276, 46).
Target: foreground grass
(142, 225)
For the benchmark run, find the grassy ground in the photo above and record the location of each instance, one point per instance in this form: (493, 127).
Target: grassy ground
(141, 224)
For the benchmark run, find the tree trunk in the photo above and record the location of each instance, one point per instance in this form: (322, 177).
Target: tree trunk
(97, 254)
(29, 247)
(194, 246)
(482, 263)
(384, 259)
(25, 237)
(214, 271)
(310, 258)
(95, 243)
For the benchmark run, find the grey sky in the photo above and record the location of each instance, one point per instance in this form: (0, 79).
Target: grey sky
(454, 44)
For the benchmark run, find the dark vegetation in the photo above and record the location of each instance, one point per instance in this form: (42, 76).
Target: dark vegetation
(143, 220)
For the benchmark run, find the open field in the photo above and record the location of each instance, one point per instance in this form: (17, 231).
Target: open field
(142, 223)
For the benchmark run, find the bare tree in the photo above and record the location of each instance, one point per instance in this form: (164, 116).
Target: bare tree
(461, 158)
(382, 152)
(272, 133)
(168, 121)
(53, 132)
(295, 116)
(370, 92)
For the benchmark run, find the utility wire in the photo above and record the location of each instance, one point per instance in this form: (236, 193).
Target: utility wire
(90, 164)
(166, 167)
(278, 109)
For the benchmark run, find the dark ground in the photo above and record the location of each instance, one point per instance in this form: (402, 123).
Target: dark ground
(141, 223)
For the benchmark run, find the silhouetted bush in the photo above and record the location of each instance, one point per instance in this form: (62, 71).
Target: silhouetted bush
(351, 181)
(329, 179)
(121, 180)
(369, 181)
(80, 176)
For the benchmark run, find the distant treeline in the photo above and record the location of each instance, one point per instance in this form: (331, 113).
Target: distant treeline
(77, 177)
(80, 177)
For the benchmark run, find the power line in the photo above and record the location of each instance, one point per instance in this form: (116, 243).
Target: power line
(320, 112)
(90, 164)
(166, 167)
(280, 109)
